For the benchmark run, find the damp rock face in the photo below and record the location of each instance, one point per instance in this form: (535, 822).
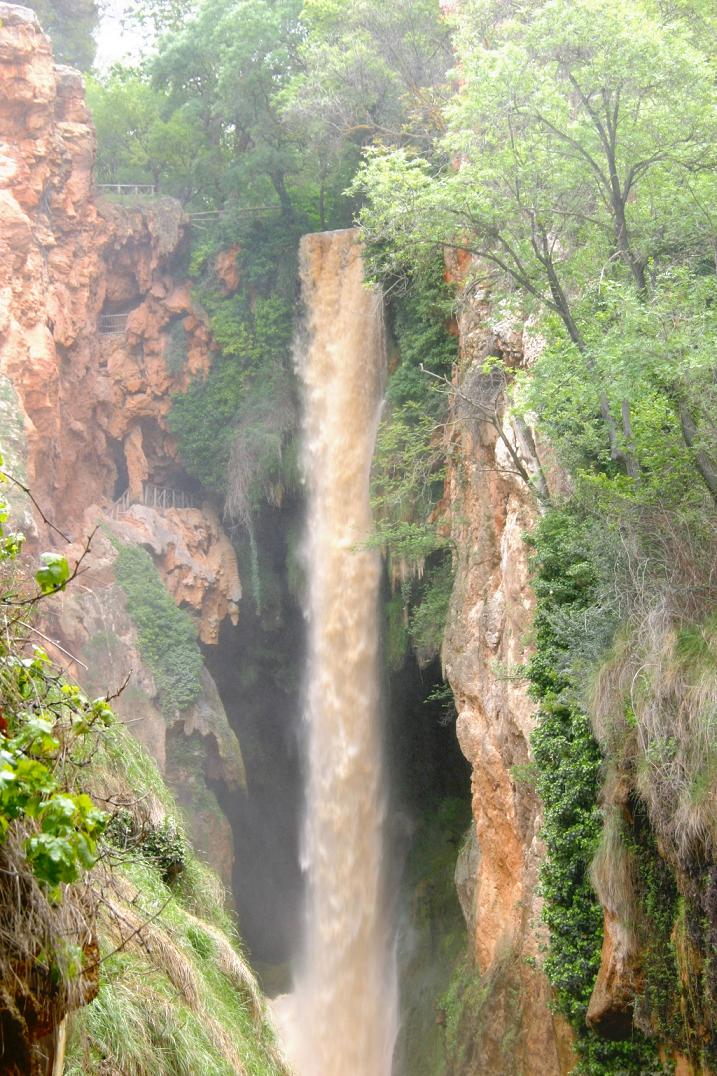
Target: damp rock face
(487, 640)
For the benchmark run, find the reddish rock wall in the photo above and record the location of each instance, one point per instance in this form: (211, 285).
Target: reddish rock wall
(84, 412)
(487, 641)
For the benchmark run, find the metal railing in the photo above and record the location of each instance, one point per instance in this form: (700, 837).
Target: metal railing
(127, 188)
(201, 217)
(154, 497)
(113, 324)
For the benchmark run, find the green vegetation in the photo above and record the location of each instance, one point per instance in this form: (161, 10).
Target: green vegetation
(572, 166)
(43, 719)
(568, 781)
(71, 25)
(257, 109)
(585, 134)
(50, 828)
(409, 466)
(470, 1017)
(176, 995)
(438, 934)
(242, 454)
(167, 635)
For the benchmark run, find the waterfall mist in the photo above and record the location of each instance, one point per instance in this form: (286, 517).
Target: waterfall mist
(341, 1019)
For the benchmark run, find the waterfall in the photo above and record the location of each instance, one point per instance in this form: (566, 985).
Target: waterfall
(341, 1018)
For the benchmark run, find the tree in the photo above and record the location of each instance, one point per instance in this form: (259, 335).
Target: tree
(71, 24)
(585, 134)
(367, 70)
(158, 16)
(225, 69)
(140, 139)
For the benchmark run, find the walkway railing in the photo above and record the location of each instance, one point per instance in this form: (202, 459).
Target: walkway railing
(113, 324)
(127, 188)
(154, 497)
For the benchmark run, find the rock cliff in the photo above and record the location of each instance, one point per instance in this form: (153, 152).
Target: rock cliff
(486, 644)
(97, 331)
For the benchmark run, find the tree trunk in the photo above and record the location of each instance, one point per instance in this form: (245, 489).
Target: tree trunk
(703, 463)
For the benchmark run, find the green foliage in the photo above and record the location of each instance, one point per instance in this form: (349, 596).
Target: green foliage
(158, 15)
(53, 573)
(409, 467)
(568, 762)
(139, 138)
(585, 198)
(439, 936)
(163, 845)
(364, 70)
(225, 69)
(167, 635)
(473, 1004)
(42, 719)
(584, 131)
(429, 613)
(420, 317)
(249, 396)
(71, 25)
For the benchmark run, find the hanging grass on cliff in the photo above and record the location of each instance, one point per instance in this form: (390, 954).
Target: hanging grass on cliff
(167, 635)
(176, 996)
(107, 914)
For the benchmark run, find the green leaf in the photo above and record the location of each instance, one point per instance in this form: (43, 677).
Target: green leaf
(53, 574)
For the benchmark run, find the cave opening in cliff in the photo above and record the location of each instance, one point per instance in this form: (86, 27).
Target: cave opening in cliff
(117, 453)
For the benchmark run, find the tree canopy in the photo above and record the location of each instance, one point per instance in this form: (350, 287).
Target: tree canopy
(71, 24)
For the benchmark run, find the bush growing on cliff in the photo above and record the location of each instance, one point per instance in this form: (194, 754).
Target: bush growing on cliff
(569, 769)
(408, 469)
(49, 825)
(249, 395)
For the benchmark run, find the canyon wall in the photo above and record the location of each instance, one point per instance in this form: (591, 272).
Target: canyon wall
(97, 331)
(486, 644)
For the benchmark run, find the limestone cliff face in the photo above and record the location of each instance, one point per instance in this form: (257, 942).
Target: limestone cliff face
(487, 640)
(97, 331)
(93, 404)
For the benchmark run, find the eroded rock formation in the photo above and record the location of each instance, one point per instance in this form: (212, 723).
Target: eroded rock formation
(487, 641)
(97, 331)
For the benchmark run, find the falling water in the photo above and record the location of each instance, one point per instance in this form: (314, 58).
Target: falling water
(341, 1018)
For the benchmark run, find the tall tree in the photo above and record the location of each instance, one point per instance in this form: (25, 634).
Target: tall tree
(226, 68)
(585, 132)
(71, 24)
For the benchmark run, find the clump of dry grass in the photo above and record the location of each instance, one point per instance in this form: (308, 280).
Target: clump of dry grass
(614, 877)
(48, 956)
(654, 701)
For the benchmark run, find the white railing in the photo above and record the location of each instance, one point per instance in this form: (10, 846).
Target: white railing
(154, 497)
(127, 188)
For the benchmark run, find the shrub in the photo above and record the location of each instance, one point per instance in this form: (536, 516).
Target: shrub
(569, 762)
